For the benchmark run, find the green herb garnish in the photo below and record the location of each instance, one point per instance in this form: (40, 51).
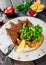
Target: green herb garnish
(24, 7)
(31, 32)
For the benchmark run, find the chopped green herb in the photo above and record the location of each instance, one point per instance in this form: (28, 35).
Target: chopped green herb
(31, 32)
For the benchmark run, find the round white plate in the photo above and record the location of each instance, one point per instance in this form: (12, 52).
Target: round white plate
(5, 41)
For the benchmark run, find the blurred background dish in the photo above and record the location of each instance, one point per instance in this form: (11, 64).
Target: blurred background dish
(38, 6)
(31, 13)
(9, 10)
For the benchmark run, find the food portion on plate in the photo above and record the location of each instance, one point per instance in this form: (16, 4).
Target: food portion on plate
(38, 6)
(25, 34)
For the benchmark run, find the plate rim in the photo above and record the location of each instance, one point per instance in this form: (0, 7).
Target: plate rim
(21, 17)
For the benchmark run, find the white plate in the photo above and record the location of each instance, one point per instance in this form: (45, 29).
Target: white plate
(5, 41)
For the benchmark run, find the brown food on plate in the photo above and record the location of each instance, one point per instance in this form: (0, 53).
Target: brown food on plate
(13, 35)
(18, 41)
(17, 27)
(13, 25)
(28, 22)
(24, 21)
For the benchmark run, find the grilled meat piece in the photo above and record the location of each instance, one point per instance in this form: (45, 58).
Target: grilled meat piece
(13, 35)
